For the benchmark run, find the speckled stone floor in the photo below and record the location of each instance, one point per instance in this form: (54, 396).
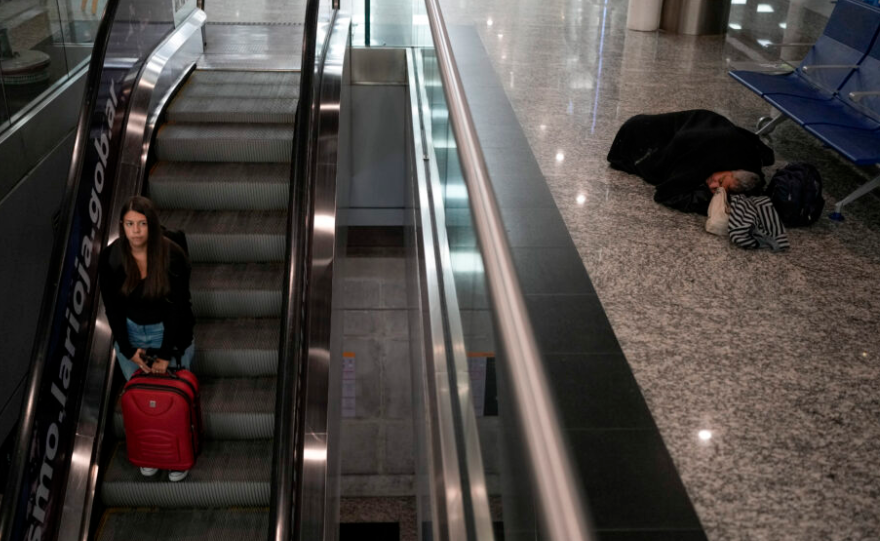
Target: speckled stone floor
(777, 355)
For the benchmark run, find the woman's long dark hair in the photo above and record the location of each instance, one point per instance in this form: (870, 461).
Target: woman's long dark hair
(156, 283)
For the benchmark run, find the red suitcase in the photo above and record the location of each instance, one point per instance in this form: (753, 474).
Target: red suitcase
(163, 419)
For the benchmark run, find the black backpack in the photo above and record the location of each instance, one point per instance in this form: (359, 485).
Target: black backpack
(178, 237)
(796, 193)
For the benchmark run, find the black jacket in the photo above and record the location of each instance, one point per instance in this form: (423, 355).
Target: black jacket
(175, 309)
(677, 152)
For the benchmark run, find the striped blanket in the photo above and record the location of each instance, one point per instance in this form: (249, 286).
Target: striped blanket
(754, 223)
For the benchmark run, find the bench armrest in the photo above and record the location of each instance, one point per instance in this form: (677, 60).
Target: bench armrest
(788, 44)
(858, 95)
(829, 66)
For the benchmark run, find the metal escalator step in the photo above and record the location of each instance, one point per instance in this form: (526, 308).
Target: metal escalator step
(220, 186)
(183, 525)
(208, 142)
(237, 347)
(222, 77)
(230, 236)
(226, 474)
(240, 110)
(232, 408)
(286, 88)
(225, 290)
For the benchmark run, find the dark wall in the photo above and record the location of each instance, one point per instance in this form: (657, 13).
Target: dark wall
(26, 237)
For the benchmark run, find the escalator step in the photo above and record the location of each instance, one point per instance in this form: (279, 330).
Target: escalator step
(226, 474)
(214, 109)
(237, 290)
(230, 236)
(288, 79)
(220, 186)
(174, 525)
(232, 408)
(207, 142)
(199, 88)
(237, 347)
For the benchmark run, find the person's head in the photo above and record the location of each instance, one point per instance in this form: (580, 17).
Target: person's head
(141, 230)
(738, 181)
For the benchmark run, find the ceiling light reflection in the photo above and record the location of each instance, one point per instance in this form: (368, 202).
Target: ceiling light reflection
(489, 22)
(581, 199)
(315, 455)
(705, 435)
(735, 26)
(765, 8)
(456, 191)
(783, 25)
(466, 262)
(560, 156)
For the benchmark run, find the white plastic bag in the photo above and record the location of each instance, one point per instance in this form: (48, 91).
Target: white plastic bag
(719, 212)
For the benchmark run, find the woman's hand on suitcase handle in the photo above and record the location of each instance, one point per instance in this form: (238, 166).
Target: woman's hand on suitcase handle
(138, 359)
(160, 366)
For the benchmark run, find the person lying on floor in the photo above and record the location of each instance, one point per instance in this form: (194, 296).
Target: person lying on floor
(687, 155)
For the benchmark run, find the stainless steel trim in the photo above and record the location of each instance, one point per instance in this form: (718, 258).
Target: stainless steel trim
(447, 501)
(810, 68)
(288, 454)
(378, 65)
(314, 524)
(158, 79)
(473, 458)
(560, 499)
(156, 114)
(858, 95)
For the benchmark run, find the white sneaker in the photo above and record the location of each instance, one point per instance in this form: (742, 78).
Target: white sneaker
(149, 472)
(175, 476)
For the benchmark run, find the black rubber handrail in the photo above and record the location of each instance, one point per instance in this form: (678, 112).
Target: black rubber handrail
(11, 502)
(287, 453)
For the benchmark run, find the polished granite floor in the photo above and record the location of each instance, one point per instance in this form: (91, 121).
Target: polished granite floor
(775, 355)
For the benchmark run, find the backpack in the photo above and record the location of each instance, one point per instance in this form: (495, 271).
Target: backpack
(796, 193)
(178, 237)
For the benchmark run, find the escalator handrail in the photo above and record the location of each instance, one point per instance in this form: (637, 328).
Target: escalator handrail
(549, 460)
(11, 501)
(287, 459)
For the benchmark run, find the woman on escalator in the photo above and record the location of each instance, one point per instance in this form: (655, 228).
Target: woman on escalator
(145, 287)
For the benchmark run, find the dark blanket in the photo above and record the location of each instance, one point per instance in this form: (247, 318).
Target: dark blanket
(677, 152)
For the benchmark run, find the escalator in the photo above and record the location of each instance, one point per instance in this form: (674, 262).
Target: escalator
(222, 175)
(215, 149)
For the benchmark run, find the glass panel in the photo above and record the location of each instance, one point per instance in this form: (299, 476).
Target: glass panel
(33, 56)
(79, 24)
(4, 111)
(513, 509)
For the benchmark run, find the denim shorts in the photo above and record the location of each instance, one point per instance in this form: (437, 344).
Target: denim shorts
(147, 336)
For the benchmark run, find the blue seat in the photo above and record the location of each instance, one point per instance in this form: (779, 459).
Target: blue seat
(835, 92)
(848, 35)
(805, 111)
(856, 104)
(862, 147)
